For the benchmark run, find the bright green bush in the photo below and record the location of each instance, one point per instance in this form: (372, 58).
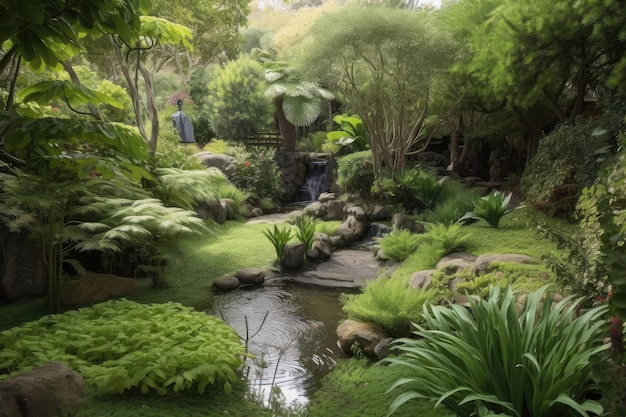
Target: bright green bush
(494, 361)
(356, 174)
(389, 303)
(121, 345)
(445, 239)
(328, 227)
(236, 105)
(399, 244)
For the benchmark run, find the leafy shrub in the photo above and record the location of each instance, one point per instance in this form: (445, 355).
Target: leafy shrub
(412, 188)
(226, 190)
(124, 115)
(491, 208)
(256, 172)
(581, 271)
(356, 174)
(570, 155)
(314, 142)
(493, 360)
(352, 133)
(202, 130)
(389, 303)
(236, 105)
(399, 244)
(173, 155)
(120, 345)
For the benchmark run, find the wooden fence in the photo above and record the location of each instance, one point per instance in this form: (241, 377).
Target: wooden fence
(265, 140)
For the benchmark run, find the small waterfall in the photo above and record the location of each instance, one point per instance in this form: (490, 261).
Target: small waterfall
(377, 230)
(314, 183)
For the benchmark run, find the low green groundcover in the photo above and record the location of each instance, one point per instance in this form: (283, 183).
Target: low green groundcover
(119, 345)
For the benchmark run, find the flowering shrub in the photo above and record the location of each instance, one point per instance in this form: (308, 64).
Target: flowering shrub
(256, 172)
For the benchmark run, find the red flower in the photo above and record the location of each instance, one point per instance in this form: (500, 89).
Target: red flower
(247, 164)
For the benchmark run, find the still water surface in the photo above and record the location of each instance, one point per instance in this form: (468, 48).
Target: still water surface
(291, 331)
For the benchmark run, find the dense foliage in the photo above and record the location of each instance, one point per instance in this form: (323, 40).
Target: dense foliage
(496, 360)
(256, 172)
(356, 174)
(235, 103)
(121, 345)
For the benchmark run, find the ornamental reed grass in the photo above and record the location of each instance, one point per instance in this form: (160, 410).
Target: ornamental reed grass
(494, 361)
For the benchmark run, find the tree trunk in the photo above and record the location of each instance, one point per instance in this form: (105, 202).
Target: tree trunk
(287, 129)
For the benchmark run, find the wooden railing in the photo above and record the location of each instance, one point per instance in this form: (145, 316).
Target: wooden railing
(265, 140)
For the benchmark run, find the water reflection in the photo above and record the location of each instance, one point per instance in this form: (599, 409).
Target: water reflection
(291, 331)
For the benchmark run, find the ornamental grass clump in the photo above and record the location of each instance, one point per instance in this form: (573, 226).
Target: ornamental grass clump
(122, 345)
(494, 361)
(279, 236)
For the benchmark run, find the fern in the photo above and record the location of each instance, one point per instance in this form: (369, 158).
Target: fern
(399, 244)
(113, 347)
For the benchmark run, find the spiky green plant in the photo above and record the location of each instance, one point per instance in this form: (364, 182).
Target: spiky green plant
(490, 208)
(494, 361)
(305, 231)
(279, 236)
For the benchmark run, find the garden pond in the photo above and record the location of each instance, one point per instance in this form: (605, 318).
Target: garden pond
(291, 331)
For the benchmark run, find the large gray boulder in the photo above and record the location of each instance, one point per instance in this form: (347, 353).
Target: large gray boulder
(48, 391)
(215, 160)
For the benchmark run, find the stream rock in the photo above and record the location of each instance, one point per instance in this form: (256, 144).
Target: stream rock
(51, 390)
(293, 255)
(251, 276)
(226, 283)
(364, 336)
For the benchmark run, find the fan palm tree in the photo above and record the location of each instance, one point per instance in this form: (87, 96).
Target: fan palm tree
(298, 103)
